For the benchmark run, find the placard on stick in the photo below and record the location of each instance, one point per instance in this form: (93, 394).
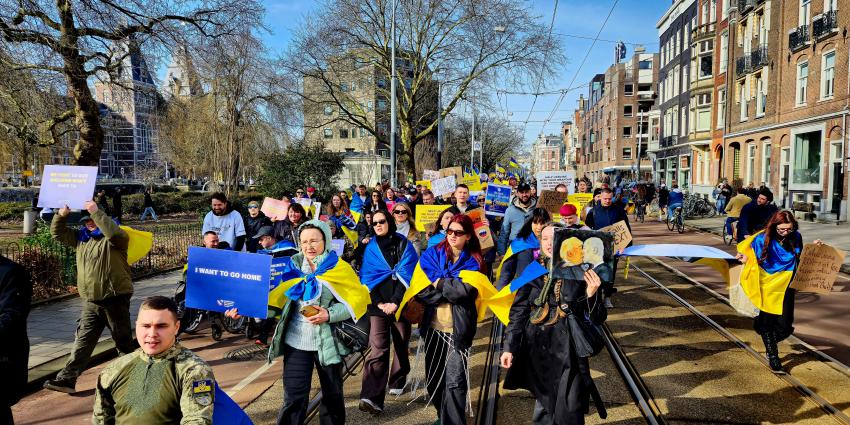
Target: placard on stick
(66, 185)
(552, 201)
(457, 172)
(426, 216)
(819, 266)
(443, 186)
(275, 208)
(430, 175)
(621, 233)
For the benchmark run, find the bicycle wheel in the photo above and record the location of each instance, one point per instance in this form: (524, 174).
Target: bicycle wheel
(727, 238)
(680, 223)
(191, 320)
(234, 326)
(670, 223)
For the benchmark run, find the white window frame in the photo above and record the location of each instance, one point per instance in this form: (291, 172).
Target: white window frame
(802, 84)
(751, 162)
(766, 153)
(721, 108)
(805, 12)
(827, 86)
(724, 51)
(761, 102)
(745, 94)
(807, 129)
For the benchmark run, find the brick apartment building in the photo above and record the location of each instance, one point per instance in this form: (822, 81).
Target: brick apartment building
(547, 153)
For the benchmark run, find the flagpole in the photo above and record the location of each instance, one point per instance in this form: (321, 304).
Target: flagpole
(392, 100)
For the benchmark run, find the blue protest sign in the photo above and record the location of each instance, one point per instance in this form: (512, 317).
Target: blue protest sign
(218, 280)
(497, 199)
(66, 185)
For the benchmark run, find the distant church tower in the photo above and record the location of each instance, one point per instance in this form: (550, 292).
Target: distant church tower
(182, 79)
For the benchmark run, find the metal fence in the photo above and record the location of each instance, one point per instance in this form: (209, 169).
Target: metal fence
(53, 268)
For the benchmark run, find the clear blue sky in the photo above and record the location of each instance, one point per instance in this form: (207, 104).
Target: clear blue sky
(632, 21)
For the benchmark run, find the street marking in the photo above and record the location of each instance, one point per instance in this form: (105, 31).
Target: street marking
(250, 378)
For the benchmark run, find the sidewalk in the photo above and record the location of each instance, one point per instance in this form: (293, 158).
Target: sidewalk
(51, 326)
(837, 236)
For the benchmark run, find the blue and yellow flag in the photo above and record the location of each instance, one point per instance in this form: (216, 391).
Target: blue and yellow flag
(434, 264)
(140, 244)
(499, 168)
(347, 225)
(512, 163)
(375, 267)
(502, 301)
(765, 283)
(517, 245)
(339, 277)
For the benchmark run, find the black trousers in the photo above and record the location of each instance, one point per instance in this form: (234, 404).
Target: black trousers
(377, 371)
(297, 377)
(6, 414)
(113, 312)
(446, 375)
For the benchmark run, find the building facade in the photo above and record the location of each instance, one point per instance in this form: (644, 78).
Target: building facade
(674, 153)
(569, 137)
(547, 153)
(787, 124)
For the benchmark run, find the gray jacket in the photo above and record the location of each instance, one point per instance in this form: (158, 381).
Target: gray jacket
(515, 217)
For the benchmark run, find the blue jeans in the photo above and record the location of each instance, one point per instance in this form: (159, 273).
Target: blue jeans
(671, 209)
(729, 222)
(721, 205)
(149, 210)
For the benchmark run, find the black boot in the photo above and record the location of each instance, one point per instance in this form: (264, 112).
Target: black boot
(772, 351)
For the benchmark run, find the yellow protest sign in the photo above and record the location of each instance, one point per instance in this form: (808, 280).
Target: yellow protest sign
(473, 182)
(426, 215)
(424, 183)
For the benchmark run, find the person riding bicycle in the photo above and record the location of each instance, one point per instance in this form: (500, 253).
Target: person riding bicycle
(663, 199)
(733, 208)
(675, 200)
(755, 215)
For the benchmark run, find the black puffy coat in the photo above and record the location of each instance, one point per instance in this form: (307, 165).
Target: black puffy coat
(15, 296)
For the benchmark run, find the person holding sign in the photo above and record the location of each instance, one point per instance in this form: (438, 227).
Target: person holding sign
(388, 263)
(559, 375)
(604, 214)
(316, 290)
(287, 229)
(104, 285)
(770, 260)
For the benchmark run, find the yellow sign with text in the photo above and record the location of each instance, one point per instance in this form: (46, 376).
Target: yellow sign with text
(424, 183)
(473, 182)
(426, 215)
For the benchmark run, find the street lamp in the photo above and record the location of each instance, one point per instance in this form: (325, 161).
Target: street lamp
(392, 99)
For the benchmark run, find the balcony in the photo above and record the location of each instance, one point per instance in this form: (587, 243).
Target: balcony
(745, 5)
(743, 65)
(646, 95)
(798, 38)
(825, 24)
(758, 57)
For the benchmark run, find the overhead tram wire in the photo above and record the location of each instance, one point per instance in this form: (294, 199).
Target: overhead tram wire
(583, 61)
(545, 57)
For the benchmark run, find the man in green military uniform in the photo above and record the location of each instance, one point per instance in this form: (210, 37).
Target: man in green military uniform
(104, 285)
(161, 382)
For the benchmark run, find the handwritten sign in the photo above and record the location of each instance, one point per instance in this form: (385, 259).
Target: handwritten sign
(424, 183)
(443, 186)
(338, 246)
(426, 215)
(497, 199)
(552, 201)
(549, 180)
(275, 209)
(621, 233)
(819, 266)
(66, 185)
(430, 175)
(457, 172)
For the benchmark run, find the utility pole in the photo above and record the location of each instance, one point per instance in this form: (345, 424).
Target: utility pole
(639, 133)
(439, 125)
(392, 100)
(472, 146)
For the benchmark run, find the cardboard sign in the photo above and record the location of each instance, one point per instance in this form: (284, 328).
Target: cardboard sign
(443, 186)
(476, 214)
(497, 199)
(66, 185)
(430, 175)
(473, 182)
(552, 201)
(819, 266)
(426, 215)
(275, 209)
(485, 237)
(219, 279)
(424, 183)
(548, 180)
(621, 233)
(457, 172)
(338, 246)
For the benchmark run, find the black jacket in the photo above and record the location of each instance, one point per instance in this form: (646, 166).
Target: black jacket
(252, 226)
(148, 201)
(754, 217)
(285, 230)
(600, 216)
(388, 291)
(15, 296)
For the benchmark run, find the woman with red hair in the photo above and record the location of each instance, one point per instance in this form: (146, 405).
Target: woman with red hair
(449, 283)
(770, 260)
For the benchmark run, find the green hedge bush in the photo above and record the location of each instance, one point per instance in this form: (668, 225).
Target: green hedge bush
(184, 202)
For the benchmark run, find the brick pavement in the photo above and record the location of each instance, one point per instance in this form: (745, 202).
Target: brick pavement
(51, 326)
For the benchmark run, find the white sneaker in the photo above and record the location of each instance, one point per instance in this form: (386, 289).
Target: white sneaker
(368, 406)
(608, 303)
(395, 392)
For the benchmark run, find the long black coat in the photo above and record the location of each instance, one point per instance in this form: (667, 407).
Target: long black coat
(545, 361)
(15, 296)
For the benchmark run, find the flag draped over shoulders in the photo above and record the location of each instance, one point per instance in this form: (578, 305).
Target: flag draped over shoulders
(518, 245)
(338, 277)
(501, 302)
(765, 283)
(375, 268)
(434, 264)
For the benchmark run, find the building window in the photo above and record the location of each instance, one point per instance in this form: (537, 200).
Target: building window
(807, 155)
(705, 66)
(827, 86)
(328, 110)
(721, 108)
(627, 132)
(724, 51)
(628, 89)
(627, 153)
(627, 110)
(382, 104)
(362, 132)
(805, 12)
(354, 133)
(765, 164)
(724, 11)
(329, 133)
(646, 64)
(343, 87)
(744, 95)
(382, 82)
(343, 133)
(751, 163)
(369, 106)
(704, 119)
(802, 82)
(761, 96)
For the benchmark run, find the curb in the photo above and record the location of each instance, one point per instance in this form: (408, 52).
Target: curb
(37, 375)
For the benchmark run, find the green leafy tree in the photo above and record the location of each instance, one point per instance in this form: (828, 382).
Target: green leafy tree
(299, 166)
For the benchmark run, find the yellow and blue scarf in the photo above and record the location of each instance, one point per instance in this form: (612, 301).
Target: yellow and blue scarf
(501, 302)
(518, 245)
(434, 264)
(765, 283)
(341, 280)
(375, 268)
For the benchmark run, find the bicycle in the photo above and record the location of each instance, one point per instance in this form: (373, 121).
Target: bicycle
(727, 237)
(192, 318)
(640, 211)
(679, 220)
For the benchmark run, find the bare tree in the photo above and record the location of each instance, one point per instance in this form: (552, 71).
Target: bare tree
(499, 141)
(83, 39)
(461, 43)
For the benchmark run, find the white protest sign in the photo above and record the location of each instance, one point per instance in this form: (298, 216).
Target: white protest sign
(548, 180)
(443, 186)
(430, 175)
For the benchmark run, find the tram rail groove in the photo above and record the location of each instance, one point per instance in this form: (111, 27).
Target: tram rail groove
(833, 412)
(637, 387)
(489, 395)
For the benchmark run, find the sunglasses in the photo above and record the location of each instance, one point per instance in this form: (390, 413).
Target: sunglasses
(378, 222)
(453, 232)
(252, 207)
(400, 212)
(299, 192)
(778, 230)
